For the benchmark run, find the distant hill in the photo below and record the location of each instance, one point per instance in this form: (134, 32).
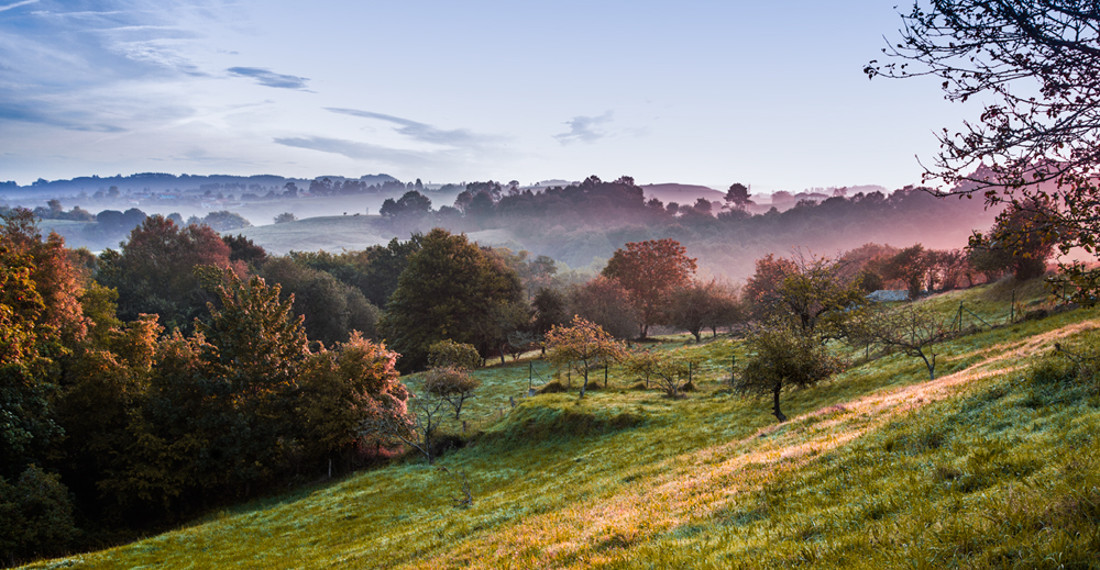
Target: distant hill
(145, 182)
(681, 193)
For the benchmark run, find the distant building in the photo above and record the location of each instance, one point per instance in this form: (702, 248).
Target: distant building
(888, 295)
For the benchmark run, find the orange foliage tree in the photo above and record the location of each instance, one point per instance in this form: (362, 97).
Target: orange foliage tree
(582, 345)
(650, 271)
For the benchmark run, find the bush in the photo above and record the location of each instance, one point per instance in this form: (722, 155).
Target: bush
(553, 387)
(36, 517)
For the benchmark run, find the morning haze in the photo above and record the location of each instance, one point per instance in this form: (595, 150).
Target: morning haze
(607, 284)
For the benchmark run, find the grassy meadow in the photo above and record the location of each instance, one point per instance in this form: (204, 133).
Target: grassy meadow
(995, 463)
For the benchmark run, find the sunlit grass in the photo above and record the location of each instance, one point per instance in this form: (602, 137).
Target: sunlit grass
(878, 467)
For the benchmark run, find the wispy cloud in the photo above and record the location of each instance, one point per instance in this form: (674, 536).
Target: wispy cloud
(16, 5)
(269, 78)
(584, 129)
(32, 114)
(353, 149)
(419, 131)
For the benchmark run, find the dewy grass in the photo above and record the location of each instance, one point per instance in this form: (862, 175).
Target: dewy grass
(987, 466)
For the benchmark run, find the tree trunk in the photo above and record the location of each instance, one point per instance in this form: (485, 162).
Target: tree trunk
(775, 403)
(931, 365)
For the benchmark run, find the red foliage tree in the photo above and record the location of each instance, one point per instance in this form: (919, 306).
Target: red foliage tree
(155, 272)
(650, 271)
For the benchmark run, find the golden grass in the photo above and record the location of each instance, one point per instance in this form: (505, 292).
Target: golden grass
(692, 487)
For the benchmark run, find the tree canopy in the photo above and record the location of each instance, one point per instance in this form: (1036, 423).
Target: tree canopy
(1036, 67)
(581, 345)
(650, 271)
(451, 289)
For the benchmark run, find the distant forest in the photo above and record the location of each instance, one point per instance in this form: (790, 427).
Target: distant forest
(579, 225)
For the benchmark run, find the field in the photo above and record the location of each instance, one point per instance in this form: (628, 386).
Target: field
(995, 463)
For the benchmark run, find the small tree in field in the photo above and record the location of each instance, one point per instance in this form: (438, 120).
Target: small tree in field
(783, 356)
(643, 363)
(703, 305)
(415, 429)
(912, 329)
(450, 354)
(670, 371)
(452, 384)
(582, 345)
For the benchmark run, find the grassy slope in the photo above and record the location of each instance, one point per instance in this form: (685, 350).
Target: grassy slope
(876, 467)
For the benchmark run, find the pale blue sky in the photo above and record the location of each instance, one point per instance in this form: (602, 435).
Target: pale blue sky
(704, 92)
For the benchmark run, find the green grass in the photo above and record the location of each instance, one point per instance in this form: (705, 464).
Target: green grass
(988, 466)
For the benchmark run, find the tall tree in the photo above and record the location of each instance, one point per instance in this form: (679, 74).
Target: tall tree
(1036, 67)
(738, 196)
(450, 289)
(254, 351)
(155, 271)
(607, 303)
(806, 291)
(650, 271)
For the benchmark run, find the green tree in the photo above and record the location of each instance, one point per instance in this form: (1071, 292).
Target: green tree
(37, 516)
(703, 305)
(607, 303)
(330, 308)
(225, 221)
(1010, 245)
(254, 352)
(808, 292)
(450, 354)
(450, 289)
(911, 266)
(581, 346)
(783, 356)
(550, 306)
(412, 203)
(650, 271)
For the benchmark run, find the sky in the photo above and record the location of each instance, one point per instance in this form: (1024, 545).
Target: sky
(770, 94)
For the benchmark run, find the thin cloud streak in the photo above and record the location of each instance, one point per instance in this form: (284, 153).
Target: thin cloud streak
(17, 5)
(353, 149)
(26, 114)
(269, 78)
(418, 131)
